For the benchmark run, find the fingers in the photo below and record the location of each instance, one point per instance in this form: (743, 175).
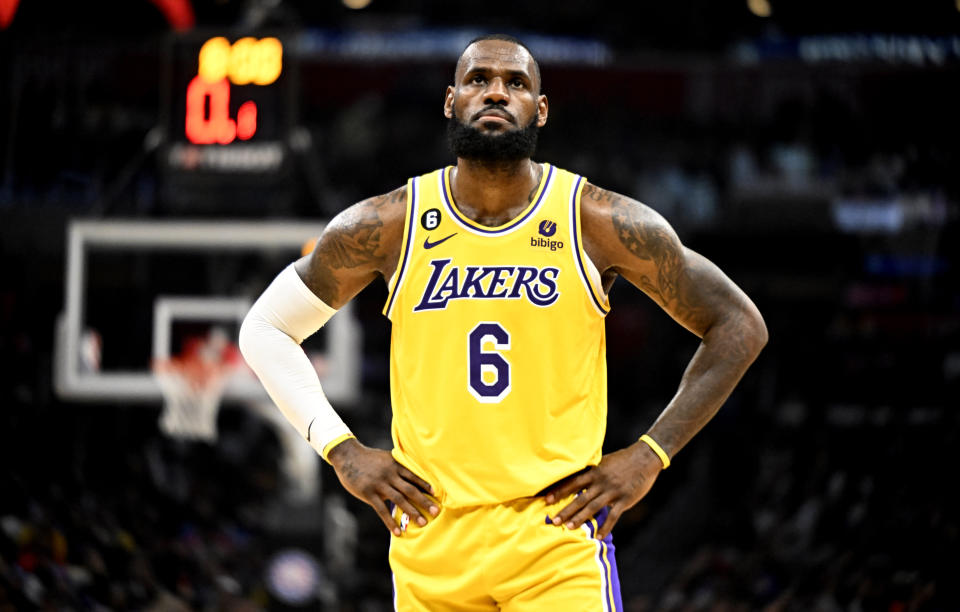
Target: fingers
(420, 483)
(414, 491)
(404, 504)
(612, 517)
(581, 509)
(416, 495)
(568, 487)
(414, 498)
(388, 520)
(406, 491)
(374, 477)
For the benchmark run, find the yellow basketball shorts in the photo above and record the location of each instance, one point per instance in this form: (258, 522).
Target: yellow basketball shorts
(507, 557)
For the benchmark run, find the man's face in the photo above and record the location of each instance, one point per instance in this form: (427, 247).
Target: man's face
(494, 106)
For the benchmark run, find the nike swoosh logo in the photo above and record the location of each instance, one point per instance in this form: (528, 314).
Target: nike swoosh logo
(429, 245)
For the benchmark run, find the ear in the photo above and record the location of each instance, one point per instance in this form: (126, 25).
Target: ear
(448, 103)
(543, 109)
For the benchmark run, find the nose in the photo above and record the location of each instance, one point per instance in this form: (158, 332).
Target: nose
(496, 92)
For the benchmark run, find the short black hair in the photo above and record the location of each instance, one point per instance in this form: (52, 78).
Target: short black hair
(510, 39)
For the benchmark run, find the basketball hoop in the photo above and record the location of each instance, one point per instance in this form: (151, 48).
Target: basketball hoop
(192, 384)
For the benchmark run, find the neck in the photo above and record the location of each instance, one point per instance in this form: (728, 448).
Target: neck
(493, 193)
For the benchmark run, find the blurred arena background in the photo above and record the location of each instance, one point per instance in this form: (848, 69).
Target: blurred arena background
(809, 148)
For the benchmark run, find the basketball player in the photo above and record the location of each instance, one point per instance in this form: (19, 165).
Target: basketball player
(498, 270)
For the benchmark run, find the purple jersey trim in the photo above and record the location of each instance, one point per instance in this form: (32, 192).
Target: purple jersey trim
(576, 248)
(406, 251)
(444, 188)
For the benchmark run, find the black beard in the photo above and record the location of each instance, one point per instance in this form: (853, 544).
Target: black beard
(470, 143)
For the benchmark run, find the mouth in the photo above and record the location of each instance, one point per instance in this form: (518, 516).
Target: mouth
(494, 115)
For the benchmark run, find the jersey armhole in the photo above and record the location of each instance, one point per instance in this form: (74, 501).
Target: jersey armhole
(586, 269)
(409, 228)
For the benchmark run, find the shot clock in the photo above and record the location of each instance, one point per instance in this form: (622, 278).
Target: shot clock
(231, 104)
(230, 108)
(248, 61)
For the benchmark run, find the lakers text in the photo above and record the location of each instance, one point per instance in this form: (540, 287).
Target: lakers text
(538, 285)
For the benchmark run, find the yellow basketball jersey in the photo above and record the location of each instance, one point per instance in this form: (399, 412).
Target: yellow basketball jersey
(498, 351)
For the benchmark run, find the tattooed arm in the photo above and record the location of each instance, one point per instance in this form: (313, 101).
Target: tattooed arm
(635, 242)
(624, 237)
(359, 244)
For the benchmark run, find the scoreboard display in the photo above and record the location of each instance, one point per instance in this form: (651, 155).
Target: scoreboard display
(221, 65)
(230, 108)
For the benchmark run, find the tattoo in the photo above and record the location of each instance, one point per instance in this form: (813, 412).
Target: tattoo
(697, 294)
(532, 193)
(536, 184)
(350, 471)
(649, 238)
(357, 240)
(710, 378)
(352, 240)
(651, 242)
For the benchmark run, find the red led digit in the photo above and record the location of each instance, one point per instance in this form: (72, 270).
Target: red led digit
(246, 61)
(246, 120)
(208, 107)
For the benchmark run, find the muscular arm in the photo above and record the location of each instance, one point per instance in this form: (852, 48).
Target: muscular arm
(359, 244)
(624, 237)
(632, 240)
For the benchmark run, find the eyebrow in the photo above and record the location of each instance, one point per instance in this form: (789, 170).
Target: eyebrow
(486, 69)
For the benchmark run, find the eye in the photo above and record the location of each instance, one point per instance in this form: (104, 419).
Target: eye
(517, 82)
(478, 79)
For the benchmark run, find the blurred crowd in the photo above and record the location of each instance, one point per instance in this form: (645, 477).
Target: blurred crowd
(843, 521)
(119, 517)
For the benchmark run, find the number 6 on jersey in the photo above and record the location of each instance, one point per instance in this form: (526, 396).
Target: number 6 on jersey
(488, 389)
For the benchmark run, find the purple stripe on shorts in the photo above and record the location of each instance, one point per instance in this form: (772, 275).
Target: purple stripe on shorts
(614, 578)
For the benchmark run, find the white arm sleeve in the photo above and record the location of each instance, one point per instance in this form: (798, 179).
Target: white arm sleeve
(286, 314)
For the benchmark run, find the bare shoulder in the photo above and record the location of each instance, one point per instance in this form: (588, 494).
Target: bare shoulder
(637, 243)
(624, 230)
(365, 232)
(634, 241)
(359, 244)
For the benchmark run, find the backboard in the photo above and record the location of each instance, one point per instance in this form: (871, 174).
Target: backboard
(135, 291)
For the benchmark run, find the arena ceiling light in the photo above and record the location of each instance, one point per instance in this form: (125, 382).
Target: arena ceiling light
(761, 8)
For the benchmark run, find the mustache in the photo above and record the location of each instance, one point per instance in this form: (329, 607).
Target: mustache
(495, 107)
(472, 143)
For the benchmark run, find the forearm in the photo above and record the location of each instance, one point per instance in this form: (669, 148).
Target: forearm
(724, 355)
(284, 315)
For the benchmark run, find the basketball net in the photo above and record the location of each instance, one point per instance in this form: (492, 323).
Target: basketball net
(192, 384)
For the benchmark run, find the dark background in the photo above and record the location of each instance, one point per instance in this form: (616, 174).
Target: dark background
(812, 154)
